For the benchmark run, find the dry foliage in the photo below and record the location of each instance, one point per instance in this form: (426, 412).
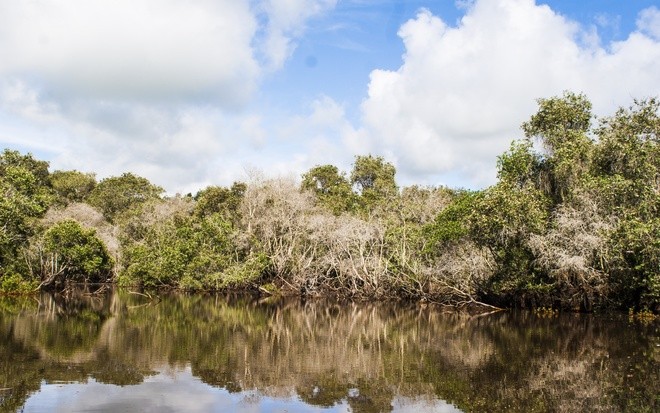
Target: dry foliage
(459, 273)
(570, 250)
(309, 248)
(88, 217)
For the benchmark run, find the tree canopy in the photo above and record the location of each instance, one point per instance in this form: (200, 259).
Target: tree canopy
(572, 222)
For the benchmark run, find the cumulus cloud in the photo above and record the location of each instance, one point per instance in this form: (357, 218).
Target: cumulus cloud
(166, 88)
(132, 49)
(322, 136)
(173, 147)
(158, 87)
(461, 93)
(184, 148)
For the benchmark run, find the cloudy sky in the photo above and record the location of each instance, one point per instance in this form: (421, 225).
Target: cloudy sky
(195, 92)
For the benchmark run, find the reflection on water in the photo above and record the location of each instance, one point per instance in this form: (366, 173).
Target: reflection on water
(179, 391)
(122, 351)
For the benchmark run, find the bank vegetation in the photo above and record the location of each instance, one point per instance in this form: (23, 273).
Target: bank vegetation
(573, 222)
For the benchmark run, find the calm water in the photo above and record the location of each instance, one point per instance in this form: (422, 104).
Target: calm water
(124, 352)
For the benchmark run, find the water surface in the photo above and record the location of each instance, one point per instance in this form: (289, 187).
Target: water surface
(199, 353)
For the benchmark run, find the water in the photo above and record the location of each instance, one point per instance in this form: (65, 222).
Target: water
(201, 353)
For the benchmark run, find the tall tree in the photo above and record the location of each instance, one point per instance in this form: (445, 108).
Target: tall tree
(24, 196)
(561, 125)
(72, 186)
(373, 178)
(118, 194)
(216, 199)
(331, 187)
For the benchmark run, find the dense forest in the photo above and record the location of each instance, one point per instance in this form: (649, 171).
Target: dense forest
(573, 222)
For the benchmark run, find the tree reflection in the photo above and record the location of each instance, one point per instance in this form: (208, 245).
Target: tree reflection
(363, 355)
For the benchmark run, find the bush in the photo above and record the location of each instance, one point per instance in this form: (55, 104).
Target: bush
(13, 283)
(69, 252)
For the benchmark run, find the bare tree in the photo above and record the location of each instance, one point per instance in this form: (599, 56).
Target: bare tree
(570, 250)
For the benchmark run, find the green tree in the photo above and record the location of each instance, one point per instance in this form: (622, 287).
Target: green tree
(24, 196)
(188, 252)
(451, 224)
(521, 166)
(73, 253)
(373, 178)
(626, 179)
(562, 125)
(119, 194)
(72, 186)
(331, 188)
(627, 158)
(502, 219)
(215, 199)
(14, 160)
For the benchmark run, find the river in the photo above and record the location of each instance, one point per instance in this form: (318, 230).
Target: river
(122, 351)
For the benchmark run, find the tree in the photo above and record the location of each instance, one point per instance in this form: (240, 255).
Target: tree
(627, 159)
(117, 195)
(24, 196)
(216, 199)
(374, 180)
(188, 252)
(13, 160)
(626, 178)
(502, 219)
(520, 166)
(72, 186)
(69, 252)
(562, 124)
(331, 188)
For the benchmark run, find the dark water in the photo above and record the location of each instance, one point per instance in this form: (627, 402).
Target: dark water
(124, 352)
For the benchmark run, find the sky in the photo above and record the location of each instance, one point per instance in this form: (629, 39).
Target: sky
(191, 93)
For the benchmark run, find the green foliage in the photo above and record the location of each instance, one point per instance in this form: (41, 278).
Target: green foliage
(72, 186)
(504, 216)
(82, 255)
(13, 283)
(627, 159)
(634, 263)
(450, 224)
(502, 219)
(331, 187)
(571, 222)
(24, 196)
(117, 195)
(188, 252)
(562, 125)
(37, 170)
(519, 166)
(243, 274)
(374, 180)
(215, 199)
(559, 120)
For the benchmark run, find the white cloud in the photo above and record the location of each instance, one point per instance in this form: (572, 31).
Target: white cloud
(132, 49)
(649, 22)
(165, 88)
(462, 92)
(299, 142)
(286, 21)
(157, 87)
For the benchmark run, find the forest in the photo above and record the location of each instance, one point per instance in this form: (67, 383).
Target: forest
(572, 223)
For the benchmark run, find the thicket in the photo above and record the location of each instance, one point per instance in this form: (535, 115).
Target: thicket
(573, 222)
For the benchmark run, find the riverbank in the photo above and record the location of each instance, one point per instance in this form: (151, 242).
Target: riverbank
(570, 224)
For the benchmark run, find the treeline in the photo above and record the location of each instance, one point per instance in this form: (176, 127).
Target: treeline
(573, 222)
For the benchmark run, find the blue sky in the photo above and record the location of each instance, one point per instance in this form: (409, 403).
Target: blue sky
(192, 93)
